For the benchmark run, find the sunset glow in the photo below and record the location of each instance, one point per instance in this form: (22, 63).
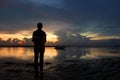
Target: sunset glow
(96, 36)
(7, 36)
(50, 37)
(105, 37)
(90, 35)
(21, 42)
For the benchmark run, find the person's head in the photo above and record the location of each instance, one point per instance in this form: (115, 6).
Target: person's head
(39, 26)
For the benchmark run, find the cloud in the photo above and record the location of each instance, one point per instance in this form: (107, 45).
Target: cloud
(69, 38)
(79, 16)
(101, 17)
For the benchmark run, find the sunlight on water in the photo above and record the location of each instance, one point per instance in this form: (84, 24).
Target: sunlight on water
(22, 53)
(51, 54)
(16, 53)
(101, 53)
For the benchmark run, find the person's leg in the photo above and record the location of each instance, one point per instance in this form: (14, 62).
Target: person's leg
(42, 50)
(36, 70)
(36, 53)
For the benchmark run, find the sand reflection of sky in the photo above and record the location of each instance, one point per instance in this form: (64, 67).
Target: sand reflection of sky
(16, 53)
(51, 54)
(95, 53)
(25, 53)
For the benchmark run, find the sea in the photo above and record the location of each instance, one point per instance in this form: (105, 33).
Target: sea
(26, 54)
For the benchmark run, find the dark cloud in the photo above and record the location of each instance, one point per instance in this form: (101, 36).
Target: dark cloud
(80, 16)
(95, 16)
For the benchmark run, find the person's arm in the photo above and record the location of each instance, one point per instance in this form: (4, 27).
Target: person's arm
(33, 36)
(44, 37)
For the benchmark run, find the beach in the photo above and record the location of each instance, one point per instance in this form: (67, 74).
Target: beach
(96, 69)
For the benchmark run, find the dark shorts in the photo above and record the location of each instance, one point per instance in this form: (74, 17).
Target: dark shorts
(39, 49)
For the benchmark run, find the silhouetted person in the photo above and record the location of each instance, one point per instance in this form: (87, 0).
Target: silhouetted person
(39, 39)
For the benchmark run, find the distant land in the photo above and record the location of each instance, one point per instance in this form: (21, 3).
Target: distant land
(89, 43)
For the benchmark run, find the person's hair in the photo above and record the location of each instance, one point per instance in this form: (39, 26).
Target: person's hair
(39, 25)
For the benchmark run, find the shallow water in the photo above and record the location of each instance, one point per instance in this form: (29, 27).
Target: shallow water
(81, 70)
(55, 55)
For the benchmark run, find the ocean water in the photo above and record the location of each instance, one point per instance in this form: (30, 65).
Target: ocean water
(57, 55)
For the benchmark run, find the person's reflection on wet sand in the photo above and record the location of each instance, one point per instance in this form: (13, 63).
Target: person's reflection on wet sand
(37, 72)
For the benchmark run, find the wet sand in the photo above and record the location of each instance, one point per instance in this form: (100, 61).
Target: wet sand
(98, 69)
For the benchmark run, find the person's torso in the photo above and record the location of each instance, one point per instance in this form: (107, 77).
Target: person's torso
(39, 37)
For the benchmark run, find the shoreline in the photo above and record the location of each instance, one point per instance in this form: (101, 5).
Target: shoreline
(98, 69)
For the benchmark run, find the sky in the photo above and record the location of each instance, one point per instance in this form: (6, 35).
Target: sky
(63, 20)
